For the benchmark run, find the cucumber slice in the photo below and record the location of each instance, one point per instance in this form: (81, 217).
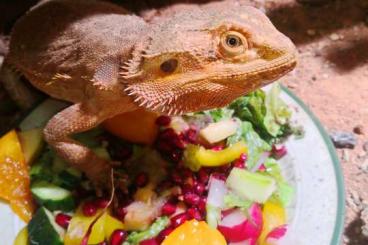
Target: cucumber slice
(42, 229)
(53, 197)
(40, 116)
(251, 186)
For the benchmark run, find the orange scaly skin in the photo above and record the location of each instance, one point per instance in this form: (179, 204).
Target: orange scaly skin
(107, 61)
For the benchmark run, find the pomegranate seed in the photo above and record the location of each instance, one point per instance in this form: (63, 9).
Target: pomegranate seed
(164, 146)
(120, 213)
(178, 219)
(175, 176)
(168, 209)
(278, 151)
(187, 173)
(101, 203)
(151, 241)
(240, 162)
(199, 188)
(217, 148)
(262, 168)
(203, 176)
(63, 220)
(176, 156)
(202, 204)
(118, 237)
(163, 234)
(89, 208)
(191, 135)
(191, 198)
(141, 179)
(168, 134)
(103, 243)
(187, 188)
(219, 176)
(194, 214)
(178, 142)
(163, 121)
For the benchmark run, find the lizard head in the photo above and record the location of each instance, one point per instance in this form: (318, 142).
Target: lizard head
(206, 59)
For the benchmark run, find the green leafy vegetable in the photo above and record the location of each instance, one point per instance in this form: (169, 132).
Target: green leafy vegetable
(277, 112)
(255, 144)
(220, 114)
(284, 192)
(232, 200)
(136, 237)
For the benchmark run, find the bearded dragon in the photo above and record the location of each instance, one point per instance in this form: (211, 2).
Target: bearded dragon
(107, 61)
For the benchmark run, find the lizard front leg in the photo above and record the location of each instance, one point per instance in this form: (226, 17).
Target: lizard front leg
(74, 119)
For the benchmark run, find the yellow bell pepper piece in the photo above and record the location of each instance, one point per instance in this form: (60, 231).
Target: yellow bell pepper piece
(22, 237)
(78, 227)
(273, 216)
(112, 224)
(196, 156)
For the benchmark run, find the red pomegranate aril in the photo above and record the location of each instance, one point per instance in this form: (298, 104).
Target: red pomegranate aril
(120, 213)
(89, 208)
(191, 135)
(240, 162)
(103, 243)
(164, 146)
(199, 188)
(178, 142)
(176, 156)
(101, 203)
(194, 213)
(219, 176)
(262, 168)
(178, 219)
(175, 176)
(141, 179)
(163, 121)
(203, 176)
(63, 220)
(278, 151)
(163, 234)
(187, 173)
(187, 188)
(202, 204)
(151, 241)
(191, 198)
(168, 209)
(118, 237)
(217, 148)
(168, 134)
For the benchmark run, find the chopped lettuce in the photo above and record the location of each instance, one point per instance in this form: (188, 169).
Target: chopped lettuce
(277, 112)
(255, 144)
(284, 192)
(136, 237)
(220, 113)
(268, 113)
(232, 200)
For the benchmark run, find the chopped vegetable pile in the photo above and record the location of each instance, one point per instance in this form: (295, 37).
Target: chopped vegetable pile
(208, 178)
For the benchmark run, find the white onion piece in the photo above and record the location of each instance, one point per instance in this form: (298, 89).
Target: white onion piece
(216, 192)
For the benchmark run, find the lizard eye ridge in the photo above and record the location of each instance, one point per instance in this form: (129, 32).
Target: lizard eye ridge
(233, 43)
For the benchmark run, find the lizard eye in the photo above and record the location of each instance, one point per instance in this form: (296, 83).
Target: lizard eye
(233, 43)
(169, 66)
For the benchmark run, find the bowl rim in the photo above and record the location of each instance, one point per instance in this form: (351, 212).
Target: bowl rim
(340, 214)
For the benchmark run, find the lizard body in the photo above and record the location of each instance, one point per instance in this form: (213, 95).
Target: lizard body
(107, 61)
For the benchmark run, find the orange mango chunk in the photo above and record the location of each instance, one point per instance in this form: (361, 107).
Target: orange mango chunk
(194, 233)
(14, 177)
(137, 126)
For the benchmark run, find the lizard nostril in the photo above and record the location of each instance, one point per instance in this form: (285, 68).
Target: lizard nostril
(169, 66)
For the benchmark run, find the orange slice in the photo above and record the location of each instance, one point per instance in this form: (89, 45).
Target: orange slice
(194, 233)
(14, 177)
